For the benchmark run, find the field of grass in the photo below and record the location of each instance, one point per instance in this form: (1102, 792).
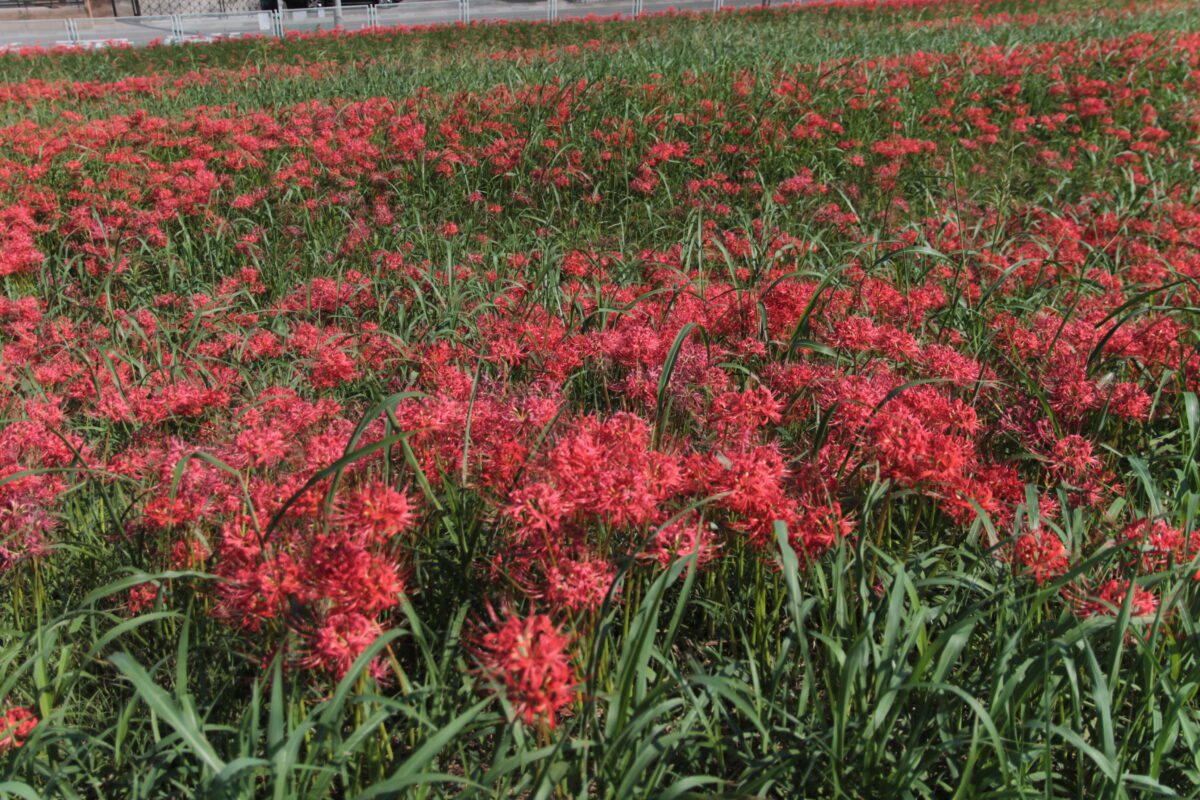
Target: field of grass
(788, 403)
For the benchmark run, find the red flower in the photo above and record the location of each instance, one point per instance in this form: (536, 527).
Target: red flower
(1043, 554)
(1111, 597)
(142, 597)
(377, 513)
(528, 660)
(340, 640)
(15, 727)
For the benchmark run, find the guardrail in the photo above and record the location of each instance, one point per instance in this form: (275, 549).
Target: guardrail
(214, 26)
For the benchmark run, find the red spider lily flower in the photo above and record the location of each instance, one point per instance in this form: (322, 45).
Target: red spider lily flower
(1042, 554)
(1158, 543)
(377, 513)
(528, 660)
(142, 597)
(15, 727)
(682, 538)
(577, 584)
(1110, 598)
(339, 641)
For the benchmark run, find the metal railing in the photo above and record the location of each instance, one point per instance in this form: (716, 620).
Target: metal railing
(214, 26)
(159, 8)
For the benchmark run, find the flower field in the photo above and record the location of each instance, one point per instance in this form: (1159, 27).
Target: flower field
(785, 402)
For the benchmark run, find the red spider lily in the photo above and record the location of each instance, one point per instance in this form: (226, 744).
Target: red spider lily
(527, 659)
(1110, 599)
(15, 727)
(1156, 544)
(339, 640)
(376, 513)
(1042, 554)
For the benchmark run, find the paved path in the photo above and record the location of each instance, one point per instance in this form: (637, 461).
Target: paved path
(100, 32)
